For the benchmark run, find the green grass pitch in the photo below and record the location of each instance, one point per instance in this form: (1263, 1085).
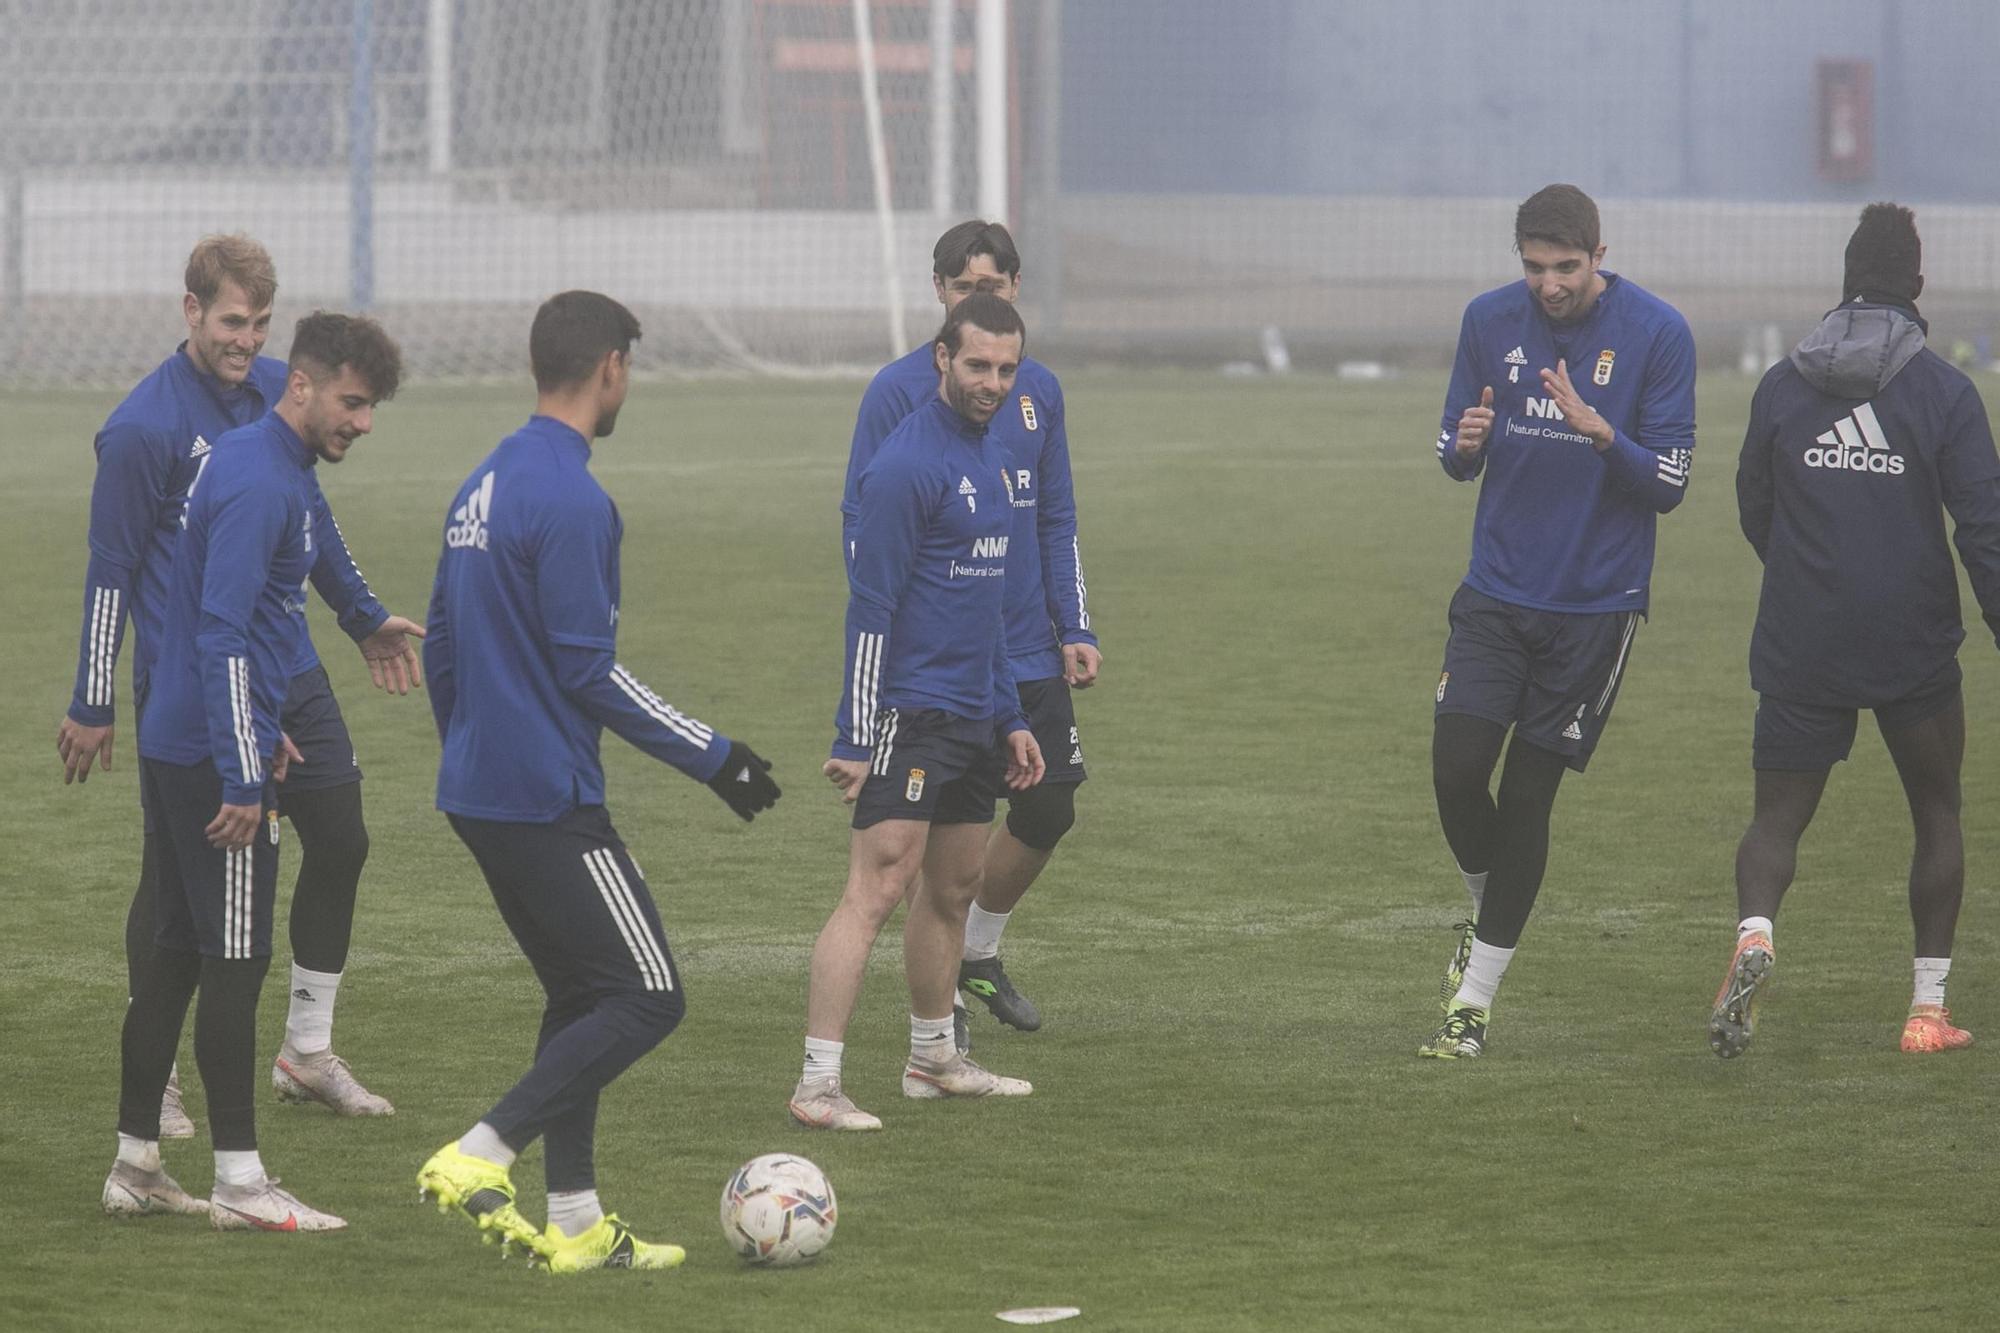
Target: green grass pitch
(1237, 949)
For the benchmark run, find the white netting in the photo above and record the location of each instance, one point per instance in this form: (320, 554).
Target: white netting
(1178, 184)
(705, 161)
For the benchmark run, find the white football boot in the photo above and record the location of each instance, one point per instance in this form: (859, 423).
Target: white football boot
(175, 1123)
(132, 1192)
(325, 1078)
(818, 1103)
(265, 1207)
(958, 1076)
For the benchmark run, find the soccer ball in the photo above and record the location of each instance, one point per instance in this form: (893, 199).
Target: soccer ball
(778, 1210)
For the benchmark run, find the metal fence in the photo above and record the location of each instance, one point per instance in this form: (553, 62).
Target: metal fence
(1183, 175)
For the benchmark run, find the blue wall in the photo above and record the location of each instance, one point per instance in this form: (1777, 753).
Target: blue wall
(1681, 98)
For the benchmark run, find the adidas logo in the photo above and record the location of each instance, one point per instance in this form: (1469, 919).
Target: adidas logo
(1573, 732)
(468, 521)
(200, 447)
(1856, 444)
(1517, 357)
(303, 994)
(965, 486)
(1076, 755)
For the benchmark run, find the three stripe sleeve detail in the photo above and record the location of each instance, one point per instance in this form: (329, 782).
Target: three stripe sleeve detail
(1082, 596)
(242, 721)
(695, 733)
(1674, 465)
(102, 661)
(865, 689)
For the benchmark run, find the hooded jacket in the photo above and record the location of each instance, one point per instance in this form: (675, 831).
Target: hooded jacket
(1859, 442)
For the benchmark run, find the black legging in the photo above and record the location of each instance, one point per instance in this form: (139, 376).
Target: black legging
(333, 848)
(225, 1042)
(1508, 837)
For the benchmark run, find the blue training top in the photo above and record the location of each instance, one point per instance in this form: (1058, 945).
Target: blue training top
(151, 448)
(1047, 603)
(1559, 527)
(925, 620)
(238, 584)
(521, 646)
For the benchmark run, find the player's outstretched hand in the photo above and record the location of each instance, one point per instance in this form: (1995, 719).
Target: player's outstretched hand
(1475, 425)
(393, 662)
(1024, 760)
(1581, 416)
(846, 774)
(744, 783)
(79, 746)
(1081, 663)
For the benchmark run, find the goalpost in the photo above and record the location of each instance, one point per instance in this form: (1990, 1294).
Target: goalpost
(761, 180)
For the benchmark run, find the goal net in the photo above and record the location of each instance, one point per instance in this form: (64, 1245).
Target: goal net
(450, 163)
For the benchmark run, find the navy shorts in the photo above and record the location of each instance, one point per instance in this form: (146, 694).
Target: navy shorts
(208, 901)
(1052, 717)
(1551, 675)
(1806, 738)
(575, 902)
(311, 717)
(929, 765)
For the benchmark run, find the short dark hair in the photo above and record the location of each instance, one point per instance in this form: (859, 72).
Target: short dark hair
(572, 333)
(1559, 215)
(982, 310)
(955, 249)
(1885, 260)
(325, 342)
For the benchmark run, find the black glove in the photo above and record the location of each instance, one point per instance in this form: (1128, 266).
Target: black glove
(744, 783)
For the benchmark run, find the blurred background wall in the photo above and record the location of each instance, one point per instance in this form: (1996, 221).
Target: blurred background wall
(1183, 175)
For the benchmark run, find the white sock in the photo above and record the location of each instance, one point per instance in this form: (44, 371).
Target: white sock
(484, 1142)
(982, 932)
(309, 1022)
(574, 1212)
(930, 1039)
(239, 1168)
(142, 1153)
(1931, 974)
(1482, 974)
(1476, 886)
(823, 1058)
(1755, 923)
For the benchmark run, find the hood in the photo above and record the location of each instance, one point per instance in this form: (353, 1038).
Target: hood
(1857, 349)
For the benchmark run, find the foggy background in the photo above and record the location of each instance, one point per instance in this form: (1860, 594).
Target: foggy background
(1182, 175)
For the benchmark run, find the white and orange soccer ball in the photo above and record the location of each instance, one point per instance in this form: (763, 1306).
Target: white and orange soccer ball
(778, 1210)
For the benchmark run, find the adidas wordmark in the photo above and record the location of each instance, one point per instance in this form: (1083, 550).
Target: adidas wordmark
(468, 521)
(1856, 444)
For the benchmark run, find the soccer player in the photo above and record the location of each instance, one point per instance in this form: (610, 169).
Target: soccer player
(929, 699)
(211, 748)
(1857, 443)
(1051, 647)
(1573, 392)
(523, 679)
(148, 453)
